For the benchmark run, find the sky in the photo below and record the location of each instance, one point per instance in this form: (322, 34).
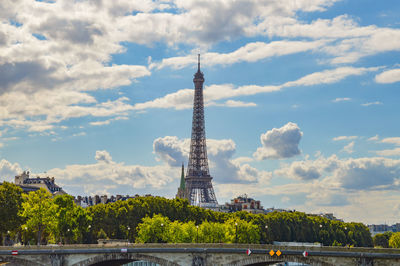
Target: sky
(301, 99)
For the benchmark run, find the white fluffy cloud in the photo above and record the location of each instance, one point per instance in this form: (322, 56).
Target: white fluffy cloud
(389, 76)
(67, 47)
(109, 177)
(251, 52)
(9, 170)
(372, 103)
(172, 150)
(390, 152)
(344, 40)
(344, 138)
(393, 140)
(353, 173)
(103, 156)
(43, 110)
(280, 143)
(345, 99)
(183, 99)
(53, 54)
(349, 148)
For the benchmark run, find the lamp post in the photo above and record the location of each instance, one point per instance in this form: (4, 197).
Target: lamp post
(90, 233)
(197, 236)
(162, 231)
(236, 224)
(129, 230)
(68, 230)
(26, 229)
(266, 233)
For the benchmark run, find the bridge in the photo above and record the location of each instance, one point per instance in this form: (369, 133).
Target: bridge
(194, 254)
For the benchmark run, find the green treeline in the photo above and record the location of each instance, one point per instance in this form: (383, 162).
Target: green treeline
(38, 216)
(387, 240)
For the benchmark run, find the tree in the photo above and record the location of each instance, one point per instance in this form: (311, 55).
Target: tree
(39, 211)
(382, 240)
(153, 230)
(10, 205)
(212, 232)
(179, 232)
(394, 240)
(72, 220)
(64, 206)
(239, 231)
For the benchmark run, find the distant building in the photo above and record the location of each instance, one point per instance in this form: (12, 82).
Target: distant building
(244, 203)
(273, 209)
(32, 184)
(182, 188)
(382, 228)
(328, 216)
(86, 201)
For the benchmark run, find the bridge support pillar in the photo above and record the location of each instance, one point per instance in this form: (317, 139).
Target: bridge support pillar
(57, 260)
(198, 261)
(366, 262)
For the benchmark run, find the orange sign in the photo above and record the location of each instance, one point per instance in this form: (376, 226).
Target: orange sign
(271, 253)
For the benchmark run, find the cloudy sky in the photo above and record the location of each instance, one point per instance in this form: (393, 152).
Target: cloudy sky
(302, 98)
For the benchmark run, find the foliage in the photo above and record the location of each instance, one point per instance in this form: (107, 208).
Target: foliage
(139, 220)
(72, 220)
(382, 240)
(10, 205)
(394, 240)
(182, 232)
(232, 231)
(39, 213)
(153, 230)
(101, 234)
(241, 231)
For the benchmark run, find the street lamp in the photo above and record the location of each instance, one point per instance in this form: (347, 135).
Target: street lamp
(129, 230)
(162, 231)
(68, 230)
(236, 224)
(197, 236)
(266, 233)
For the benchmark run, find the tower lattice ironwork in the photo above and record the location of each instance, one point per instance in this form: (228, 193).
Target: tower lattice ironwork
(199, 189)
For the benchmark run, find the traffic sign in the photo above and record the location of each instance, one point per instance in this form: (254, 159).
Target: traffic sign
(305, 254)
(271, 253)
(14, 252)
(248, 252)
(278, 253)
(124, 250)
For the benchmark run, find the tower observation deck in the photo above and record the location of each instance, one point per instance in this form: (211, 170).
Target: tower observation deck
(199, 189)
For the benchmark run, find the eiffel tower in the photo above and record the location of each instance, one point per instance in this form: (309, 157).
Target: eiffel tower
(199, 189)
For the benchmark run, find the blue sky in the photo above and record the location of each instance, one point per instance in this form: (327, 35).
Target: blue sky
(301, 98)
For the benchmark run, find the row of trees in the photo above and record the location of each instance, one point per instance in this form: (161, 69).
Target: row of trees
(39, 217)
(160, 229)
(387, 240)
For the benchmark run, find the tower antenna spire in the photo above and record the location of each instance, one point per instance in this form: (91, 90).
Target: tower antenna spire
(198, 62)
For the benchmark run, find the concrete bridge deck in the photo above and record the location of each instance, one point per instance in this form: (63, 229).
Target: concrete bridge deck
(194, 254)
